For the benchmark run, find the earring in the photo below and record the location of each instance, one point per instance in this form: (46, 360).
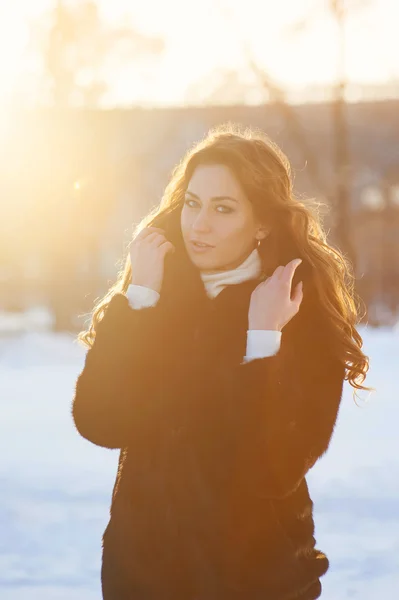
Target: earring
(259, 241)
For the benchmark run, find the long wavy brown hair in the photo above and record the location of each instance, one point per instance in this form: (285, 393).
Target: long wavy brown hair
(295, 228)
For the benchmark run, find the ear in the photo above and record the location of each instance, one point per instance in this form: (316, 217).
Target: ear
(261, 233)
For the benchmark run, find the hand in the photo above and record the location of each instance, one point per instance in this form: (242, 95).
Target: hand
(147, 255)
(271, 306)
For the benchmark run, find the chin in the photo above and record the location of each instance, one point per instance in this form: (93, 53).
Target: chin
(205, 263)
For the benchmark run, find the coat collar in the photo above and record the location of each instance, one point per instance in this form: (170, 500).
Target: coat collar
(250, 268)
(186, 302)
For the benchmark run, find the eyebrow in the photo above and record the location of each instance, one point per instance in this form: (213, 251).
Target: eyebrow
(214, 198)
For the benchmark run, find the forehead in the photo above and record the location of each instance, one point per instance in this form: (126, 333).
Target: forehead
(215, 180)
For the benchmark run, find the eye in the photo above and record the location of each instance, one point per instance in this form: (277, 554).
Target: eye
(191, 203)
(226, 209)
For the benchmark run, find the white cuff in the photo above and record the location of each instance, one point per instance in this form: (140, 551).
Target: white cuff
(140, 296)
(262, 343)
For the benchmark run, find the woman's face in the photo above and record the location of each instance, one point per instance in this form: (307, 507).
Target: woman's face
(218, 214)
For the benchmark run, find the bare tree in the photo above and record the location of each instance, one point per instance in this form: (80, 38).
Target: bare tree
(277, 96)
(343, 225)
(339, 193)
(75, 44)
(226, 86)
(75, 47)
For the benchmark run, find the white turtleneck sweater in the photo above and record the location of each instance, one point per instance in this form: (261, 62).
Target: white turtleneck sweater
(260, 342)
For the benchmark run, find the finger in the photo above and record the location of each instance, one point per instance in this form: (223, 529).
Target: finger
(148, 231)
(155, 239)
(278, 272)
(290, 270)
(153, 230)
(167, 246)
(298, 293)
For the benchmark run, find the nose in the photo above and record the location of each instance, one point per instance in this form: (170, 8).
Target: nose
(201, 222)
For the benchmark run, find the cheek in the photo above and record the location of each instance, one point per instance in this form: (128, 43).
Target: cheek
(184, 221)
(234, 227)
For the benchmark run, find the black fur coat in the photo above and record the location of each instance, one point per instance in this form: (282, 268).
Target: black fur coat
(210, 500)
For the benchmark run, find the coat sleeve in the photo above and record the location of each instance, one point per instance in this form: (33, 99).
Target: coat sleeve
(114, 389)
(287, 406)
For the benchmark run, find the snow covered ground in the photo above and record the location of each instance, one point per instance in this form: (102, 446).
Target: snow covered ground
(56, 487)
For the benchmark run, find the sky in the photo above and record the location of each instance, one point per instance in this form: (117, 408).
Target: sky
(296, 40)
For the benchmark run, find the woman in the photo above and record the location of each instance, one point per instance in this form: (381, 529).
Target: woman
(216, 365)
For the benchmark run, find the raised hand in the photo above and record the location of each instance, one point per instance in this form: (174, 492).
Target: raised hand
(271, 306)
(147, 257)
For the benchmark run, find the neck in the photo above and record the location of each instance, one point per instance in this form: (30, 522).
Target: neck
(229, 266)
(250, 268)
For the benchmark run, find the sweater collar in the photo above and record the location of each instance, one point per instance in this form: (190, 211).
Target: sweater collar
(250, 268)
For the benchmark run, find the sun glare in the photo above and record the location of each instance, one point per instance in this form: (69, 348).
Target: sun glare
(14, 37)
(213, 40)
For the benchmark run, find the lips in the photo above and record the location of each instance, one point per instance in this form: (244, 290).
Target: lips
(200, 247)
(199, 244)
